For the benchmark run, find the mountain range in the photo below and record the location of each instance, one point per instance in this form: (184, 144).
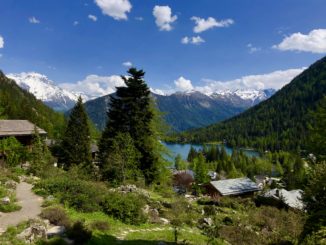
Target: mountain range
(279, 123)
(182, 110)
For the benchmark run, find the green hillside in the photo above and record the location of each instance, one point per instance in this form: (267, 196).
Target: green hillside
(280, 122)
(16, 103)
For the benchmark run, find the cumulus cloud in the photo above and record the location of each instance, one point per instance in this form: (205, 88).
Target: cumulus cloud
(192, 40)
(127, 64)
(275, 80)
(94, 86)
(163, 17)
(75, 23)
(2, 42)
(252, 49)
(117, 9)
(183, 84)
(33, 20)
(314, 42)
(92, 17)
(209, 23)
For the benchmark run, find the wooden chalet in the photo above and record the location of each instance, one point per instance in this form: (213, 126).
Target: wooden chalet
(22, 130)
(232, 187)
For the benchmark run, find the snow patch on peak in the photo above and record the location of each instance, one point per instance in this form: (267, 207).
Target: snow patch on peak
(45, 89)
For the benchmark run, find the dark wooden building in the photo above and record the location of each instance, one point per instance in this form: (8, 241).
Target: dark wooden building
(22, 130)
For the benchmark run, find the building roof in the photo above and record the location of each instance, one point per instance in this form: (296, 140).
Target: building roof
(18, 128)
(234, 186)
(290, 198)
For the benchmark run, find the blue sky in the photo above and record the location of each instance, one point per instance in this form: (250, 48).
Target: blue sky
(70, 40)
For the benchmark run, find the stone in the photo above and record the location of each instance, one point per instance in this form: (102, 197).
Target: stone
(5, 200)
(208, 221)
(55, 231)
(164, 221)
(36, 230)
(50, 198)
(10, 184)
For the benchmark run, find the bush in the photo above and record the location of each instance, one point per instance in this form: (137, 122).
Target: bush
(80, 194)
(56, 216)
(126, 207)
(79, 233)
(100, 225)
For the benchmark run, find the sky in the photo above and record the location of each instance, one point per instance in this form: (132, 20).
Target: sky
(204, 45)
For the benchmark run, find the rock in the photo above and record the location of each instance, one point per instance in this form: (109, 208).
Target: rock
(10, 184)
(5, 200)
(146, 209)
(50, 198)
(164, 221)
(55, 231)
(208, 221)
(36, 230)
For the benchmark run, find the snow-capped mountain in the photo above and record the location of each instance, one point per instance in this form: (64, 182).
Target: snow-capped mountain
(44, 89)
(243, 97)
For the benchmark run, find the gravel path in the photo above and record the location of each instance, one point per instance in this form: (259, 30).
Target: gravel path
(30, 203)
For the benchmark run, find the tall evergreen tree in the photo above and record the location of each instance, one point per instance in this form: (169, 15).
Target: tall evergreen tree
(75, 144)
(130, 112)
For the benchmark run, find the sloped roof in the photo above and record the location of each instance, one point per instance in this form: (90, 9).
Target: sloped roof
(290, 198)
(234, 186)
(18, 128)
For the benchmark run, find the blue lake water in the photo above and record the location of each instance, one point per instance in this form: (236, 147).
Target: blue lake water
(183, 150)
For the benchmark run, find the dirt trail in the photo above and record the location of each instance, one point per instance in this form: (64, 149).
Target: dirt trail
(30, 203)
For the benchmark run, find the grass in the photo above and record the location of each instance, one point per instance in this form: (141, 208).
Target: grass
(10, 207)
(10, 236)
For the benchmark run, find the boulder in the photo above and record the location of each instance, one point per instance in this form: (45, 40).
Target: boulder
(164, 221)
(208, 221)
(10, 184)
(55, 231)
(36, 230)
(5, 200)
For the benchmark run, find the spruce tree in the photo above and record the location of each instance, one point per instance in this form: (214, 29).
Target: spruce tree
(75, 145)
(130, 112)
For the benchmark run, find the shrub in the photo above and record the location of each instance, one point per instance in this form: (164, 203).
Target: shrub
(80, 194)
(126, 207)
(56, 216)
(100, 225)
(79, 233)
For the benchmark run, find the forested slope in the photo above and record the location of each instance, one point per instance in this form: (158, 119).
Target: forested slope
(280, 122)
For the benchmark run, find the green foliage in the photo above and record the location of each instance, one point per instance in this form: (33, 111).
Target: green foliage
(56, 215)
(80, 194)
(16, 103)
(130, 112)
(13, 151)
(179, 163)
(279, 123)
(75, 146)
(317, 143)
(200, 169)
(122, 162)
(40, 156)
(126, 207)
(79, 233)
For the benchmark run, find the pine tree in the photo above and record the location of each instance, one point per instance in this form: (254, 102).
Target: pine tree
(75, 145)
(130, 112)
(201, 170)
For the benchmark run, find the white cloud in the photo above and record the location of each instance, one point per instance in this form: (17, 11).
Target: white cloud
(127, 64)
(94, 86)
(139, 18)
(117, 9)
(276, 80)
(252, 49)
(183, 84)
(210, 22)
(33, 20)
(75, 23)
(163, 17)
(192, 40)
(92, 17)
(2, 42)
(314, 42)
